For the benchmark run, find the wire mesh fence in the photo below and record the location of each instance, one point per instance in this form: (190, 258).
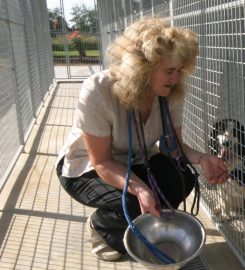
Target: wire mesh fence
(215, 105)
(26, 72)
(75, 37)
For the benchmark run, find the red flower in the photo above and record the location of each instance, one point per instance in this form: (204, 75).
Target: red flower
(74, 35)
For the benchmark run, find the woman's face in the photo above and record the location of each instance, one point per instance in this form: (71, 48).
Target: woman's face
(165, 76)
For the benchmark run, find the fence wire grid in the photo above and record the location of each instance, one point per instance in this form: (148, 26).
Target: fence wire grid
(75, 37)
(26, 73)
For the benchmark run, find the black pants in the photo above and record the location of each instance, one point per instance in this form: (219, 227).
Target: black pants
(109, 219)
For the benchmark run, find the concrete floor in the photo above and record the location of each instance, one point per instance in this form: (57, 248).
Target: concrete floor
(75, 71)
(42, 227)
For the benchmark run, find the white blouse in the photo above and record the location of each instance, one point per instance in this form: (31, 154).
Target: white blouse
(99, 113)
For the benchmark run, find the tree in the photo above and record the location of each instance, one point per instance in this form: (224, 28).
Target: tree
(56, 21)
(84, 19)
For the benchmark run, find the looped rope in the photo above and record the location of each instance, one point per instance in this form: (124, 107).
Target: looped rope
(197, 196)
(182, 160)
(151, 179)
(155, 251)
(169, 142)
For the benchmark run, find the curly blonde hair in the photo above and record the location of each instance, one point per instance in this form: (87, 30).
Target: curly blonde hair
(139, 50)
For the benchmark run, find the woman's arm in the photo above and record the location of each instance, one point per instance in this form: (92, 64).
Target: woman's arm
(194, 156)
(114, 173)
(214, 168)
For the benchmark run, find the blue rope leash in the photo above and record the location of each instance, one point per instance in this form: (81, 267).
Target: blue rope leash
(155, 251)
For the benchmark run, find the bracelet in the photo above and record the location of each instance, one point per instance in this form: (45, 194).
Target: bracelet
(199, 159)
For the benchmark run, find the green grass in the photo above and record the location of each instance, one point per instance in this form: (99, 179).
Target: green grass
(64, 53)
(94, 53)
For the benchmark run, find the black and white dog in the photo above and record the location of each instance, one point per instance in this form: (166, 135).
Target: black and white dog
(227, 140)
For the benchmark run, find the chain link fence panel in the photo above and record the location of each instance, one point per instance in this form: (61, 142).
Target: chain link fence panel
(26, 73)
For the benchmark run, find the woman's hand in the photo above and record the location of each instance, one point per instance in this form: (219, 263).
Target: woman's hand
(113, 172)
(147, 201)
(214, 169)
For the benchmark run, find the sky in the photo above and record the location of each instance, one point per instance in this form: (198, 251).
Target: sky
(68, 4)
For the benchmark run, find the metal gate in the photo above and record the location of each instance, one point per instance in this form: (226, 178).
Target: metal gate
(75, 38)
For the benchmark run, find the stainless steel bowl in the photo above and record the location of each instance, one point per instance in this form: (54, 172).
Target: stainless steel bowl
(178, 235)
